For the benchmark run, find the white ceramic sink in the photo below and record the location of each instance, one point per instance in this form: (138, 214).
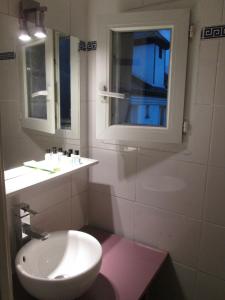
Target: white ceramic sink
(61, 267)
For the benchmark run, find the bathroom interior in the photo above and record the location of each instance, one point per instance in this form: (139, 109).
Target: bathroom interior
(149, 180)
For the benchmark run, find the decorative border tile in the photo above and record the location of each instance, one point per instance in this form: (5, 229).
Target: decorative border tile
(213, 32)
(7, 55)
(92, 46)
(82, 46)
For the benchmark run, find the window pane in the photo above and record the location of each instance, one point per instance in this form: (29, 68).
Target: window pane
(36, 81)
(140, 68)
(64, 78)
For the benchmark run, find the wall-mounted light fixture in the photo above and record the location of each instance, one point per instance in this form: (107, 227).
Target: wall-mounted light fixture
(32, 11)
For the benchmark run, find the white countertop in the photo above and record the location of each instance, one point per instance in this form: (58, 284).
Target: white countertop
(22, 178)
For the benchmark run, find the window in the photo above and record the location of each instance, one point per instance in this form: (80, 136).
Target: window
(140, 67)
(141, 63)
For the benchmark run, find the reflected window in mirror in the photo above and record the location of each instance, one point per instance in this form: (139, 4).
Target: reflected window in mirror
(37, 62)
(67, 70)
(64, 87)
(36, 81)
(51, 85)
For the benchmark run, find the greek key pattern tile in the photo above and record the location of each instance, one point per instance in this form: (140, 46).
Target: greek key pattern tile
(213, 32)
(7, 55)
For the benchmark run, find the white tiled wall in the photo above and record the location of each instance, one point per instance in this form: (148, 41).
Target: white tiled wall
(170, 197)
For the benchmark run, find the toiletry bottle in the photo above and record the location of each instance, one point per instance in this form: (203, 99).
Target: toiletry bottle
(64, 159)
(48, 155)
(77, 157)
(73, 156)
(69, 158)
(60, 154)
(54, 155)
(70, 151)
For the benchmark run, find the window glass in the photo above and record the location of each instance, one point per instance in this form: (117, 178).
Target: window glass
(36, 81)
(64, 79)
(140, 67)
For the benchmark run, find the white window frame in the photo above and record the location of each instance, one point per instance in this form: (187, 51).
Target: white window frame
(42, 125)
(74, 132)
(178, 20)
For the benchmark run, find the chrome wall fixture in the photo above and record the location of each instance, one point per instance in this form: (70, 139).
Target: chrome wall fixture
(33, 12)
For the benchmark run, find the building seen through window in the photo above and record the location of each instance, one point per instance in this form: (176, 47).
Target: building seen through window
(140, 68)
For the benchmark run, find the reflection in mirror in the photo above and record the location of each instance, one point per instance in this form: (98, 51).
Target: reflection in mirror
(36, 80)
(67, 70)
(21, 144)
(63, 75)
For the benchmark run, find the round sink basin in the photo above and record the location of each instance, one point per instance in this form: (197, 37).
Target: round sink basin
(62, 267)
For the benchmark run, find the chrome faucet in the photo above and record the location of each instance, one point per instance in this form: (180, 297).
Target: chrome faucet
(26, 229)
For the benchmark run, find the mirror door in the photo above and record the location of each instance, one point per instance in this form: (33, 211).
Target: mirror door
(38, 85)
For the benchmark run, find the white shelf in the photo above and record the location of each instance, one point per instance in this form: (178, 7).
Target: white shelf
(22, 178)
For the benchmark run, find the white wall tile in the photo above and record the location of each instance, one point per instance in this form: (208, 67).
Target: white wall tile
(9, 80)
(170, 4)
(211, 11)
(19, 149)
(96, 8)
(14, 7)
(10, 118)
(79, 211)
(195, 146)
(57, 15)
(111, 213)
(4, 6)
(175, 233)
(223, 18)
(79, 182)
(83, 124)
(78, 15)
(207, 71)
(174, 282)
(220, 79)
(125, 5)
(91, 57)
(83, 75)
(172, 185)
(47, 194)
(215, 195)
(209, 288)
(57, 217)
(217, 151)
(187, 280)
(212, 250)
(115, 172)
(9, 76)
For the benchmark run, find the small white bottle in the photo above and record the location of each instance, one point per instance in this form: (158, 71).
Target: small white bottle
(69, 158)
(77, 157)
(54, 156)
(60, 154)
(48, 155)
(64, 159)
(73, 158)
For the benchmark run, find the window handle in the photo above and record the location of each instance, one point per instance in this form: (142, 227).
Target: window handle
(39, 93)
(112, 95)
